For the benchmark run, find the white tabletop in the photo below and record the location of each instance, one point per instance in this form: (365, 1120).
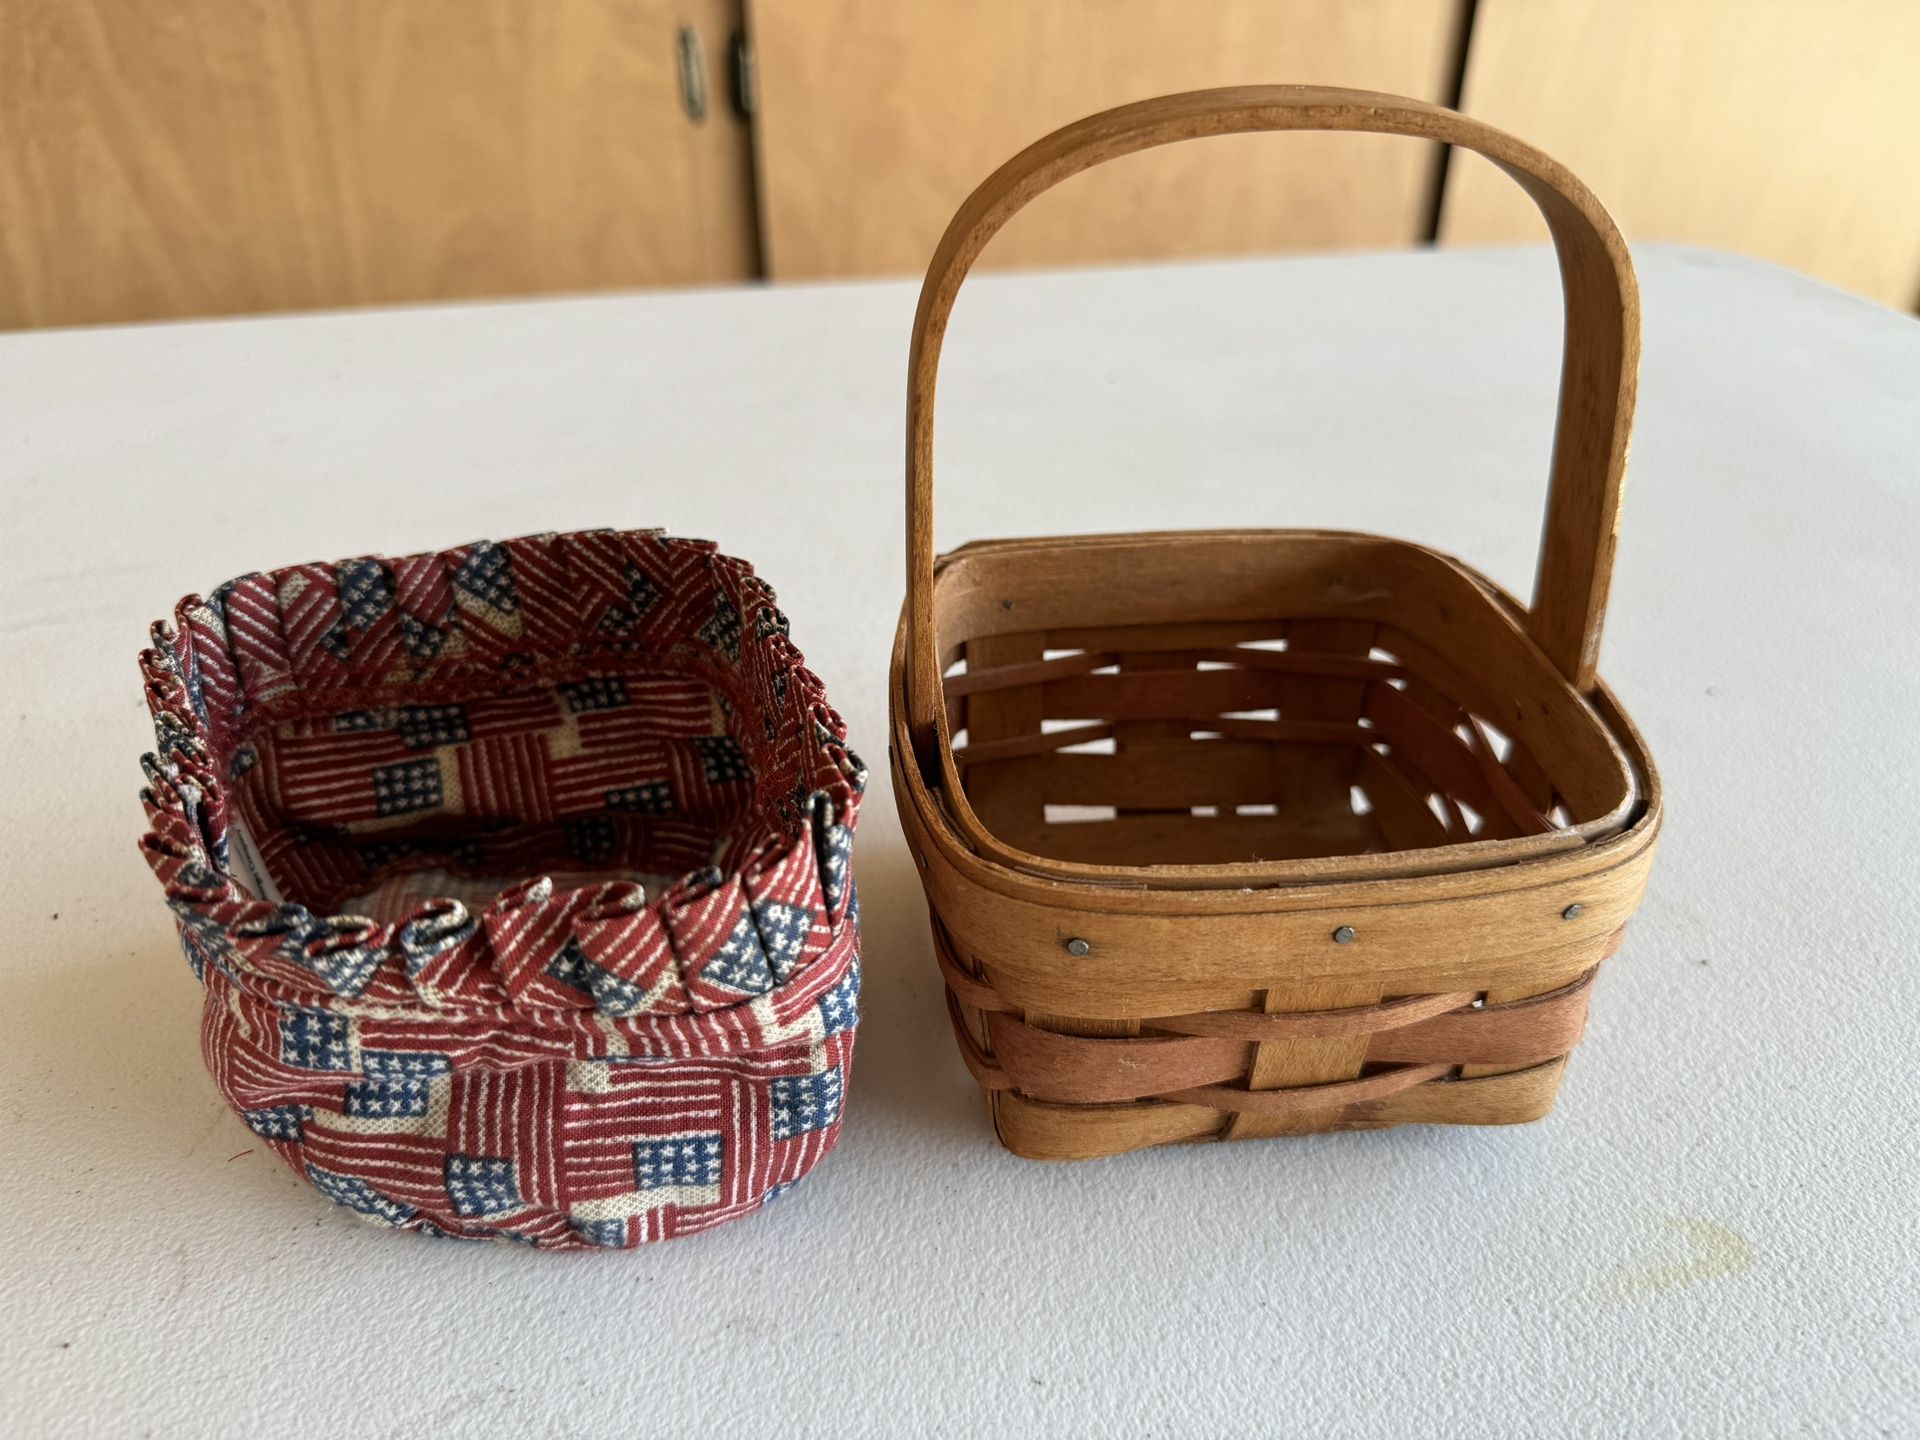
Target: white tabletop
(1715, 1232)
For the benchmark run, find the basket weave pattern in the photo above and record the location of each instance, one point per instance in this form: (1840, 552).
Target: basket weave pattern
(518, 879)
(1264, 832)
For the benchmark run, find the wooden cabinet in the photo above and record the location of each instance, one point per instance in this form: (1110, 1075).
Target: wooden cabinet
(877, 117)
(1781, 128)
(191, 157)
(164, 158)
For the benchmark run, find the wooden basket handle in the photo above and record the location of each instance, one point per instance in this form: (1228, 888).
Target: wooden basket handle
(1597, 372)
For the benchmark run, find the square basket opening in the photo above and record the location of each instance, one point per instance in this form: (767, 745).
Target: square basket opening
(1224, 700)
(589, 707)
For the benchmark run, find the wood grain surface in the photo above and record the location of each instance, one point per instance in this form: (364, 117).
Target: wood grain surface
(187, 157)
(1776, 128)
(877, 117)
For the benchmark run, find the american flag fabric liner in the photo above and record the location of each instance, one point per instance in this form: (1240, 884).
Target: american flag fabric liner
(518, 881)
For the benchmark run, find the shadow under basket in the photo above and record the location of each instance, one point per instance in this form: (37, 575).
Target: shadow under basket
(1250, 833)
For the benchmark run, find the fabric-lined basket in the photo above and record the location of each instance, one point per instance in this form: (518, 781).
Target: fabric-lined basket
(1267, 832)
(518, 879)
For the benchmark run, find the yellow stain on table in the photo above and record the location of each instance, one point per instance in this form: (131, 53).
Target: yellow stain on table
(1717, 1252)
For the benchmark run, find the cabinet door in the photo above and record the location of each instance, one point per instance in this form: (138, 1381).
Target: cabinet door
(190, 157)
(1781, 128)
(878, 117)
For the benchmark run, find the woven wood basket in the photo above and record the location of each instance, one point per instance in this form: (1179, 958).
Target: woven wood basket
(1347, 831)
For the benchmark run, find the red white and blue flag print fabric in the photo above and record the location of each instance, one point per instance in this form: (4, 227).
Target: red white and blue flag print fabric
(518, 877)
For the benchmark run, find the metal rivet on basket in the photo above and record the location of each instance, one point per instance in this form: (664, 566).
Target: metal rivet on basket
(1078, 946)
(1343, 936)
(1573, 911)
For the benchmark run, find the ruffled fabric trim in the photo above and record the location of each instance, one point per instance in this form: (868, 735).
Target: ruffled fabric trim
(373, 630)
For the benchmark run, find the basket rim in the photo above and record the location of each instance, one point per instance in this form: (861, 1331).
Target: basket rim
(438, 957)
(962, 839)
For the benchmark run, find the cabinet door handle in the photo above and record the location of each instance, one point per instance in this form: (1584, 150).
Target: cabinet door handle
(746, 79)
(693, 74)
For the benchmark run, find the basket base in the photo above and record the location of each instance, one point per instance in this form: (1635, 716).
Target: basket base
(1037, 1130)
